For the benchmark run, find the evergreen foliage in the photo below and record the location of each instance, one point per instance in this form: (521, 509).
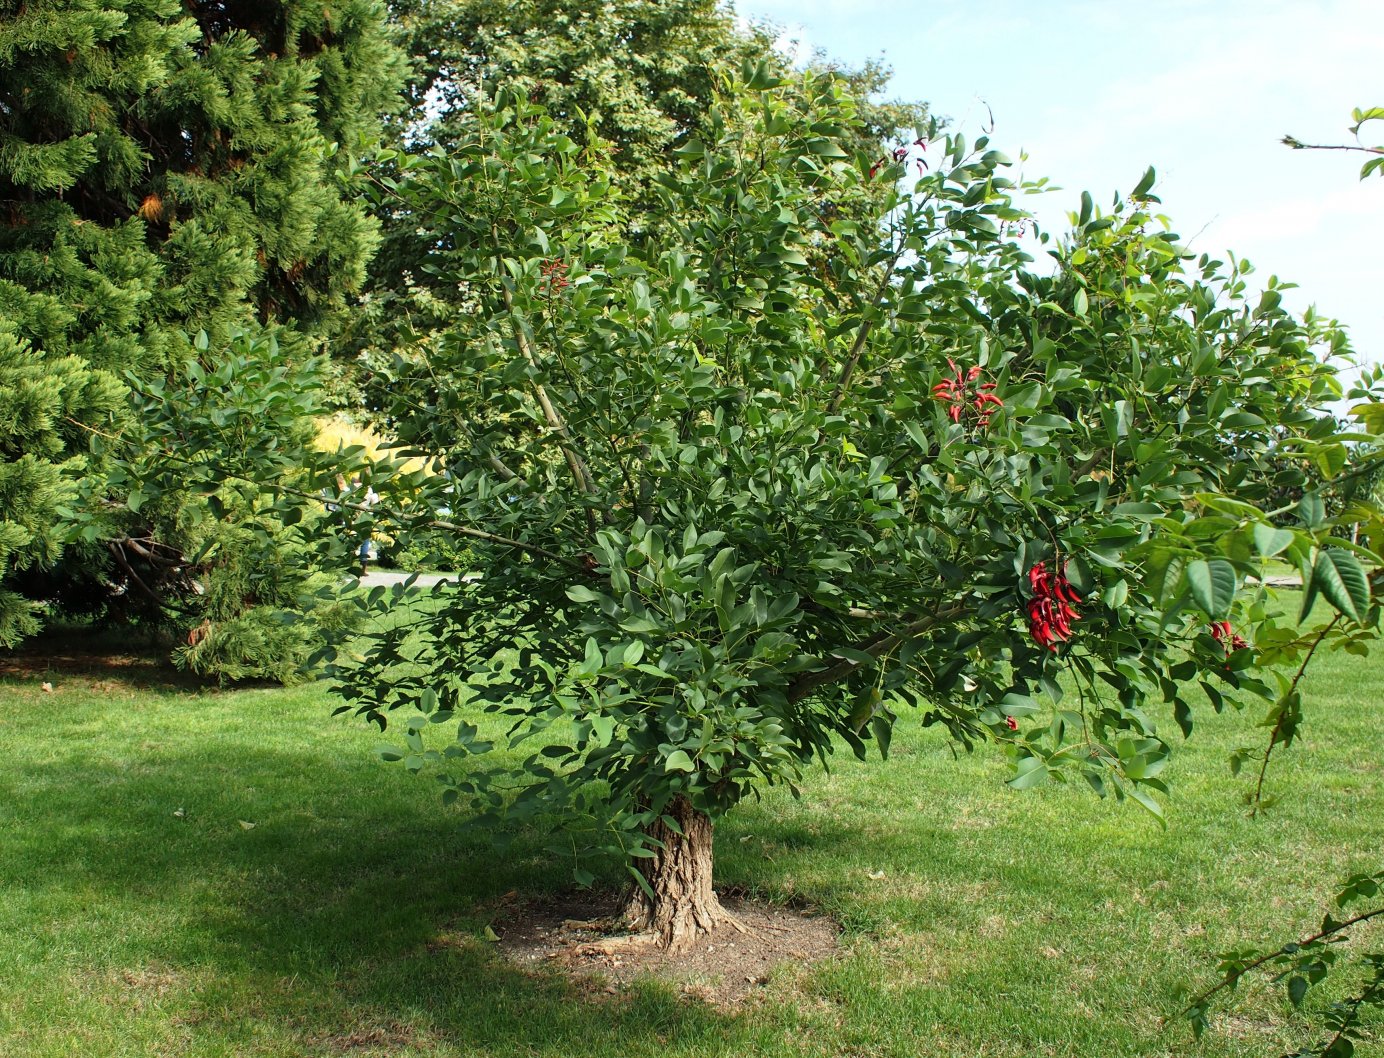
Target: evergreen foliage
(164, 168)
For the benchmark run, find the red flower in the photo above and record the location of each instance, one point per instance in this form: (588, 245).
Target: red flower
(555, 272)
(1011, 723)
(1221, 632)
(1052, 609)
(962, 396)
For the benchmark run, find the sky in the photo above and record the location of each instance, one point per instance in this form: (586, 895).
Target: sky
(1095, 91)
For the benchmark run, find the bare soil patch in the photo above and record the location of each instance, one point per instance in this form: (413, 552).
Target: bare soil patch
(573, 933)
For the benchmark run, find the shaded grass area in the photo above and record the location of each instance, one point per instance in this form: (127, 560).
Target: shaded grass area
(192, 872)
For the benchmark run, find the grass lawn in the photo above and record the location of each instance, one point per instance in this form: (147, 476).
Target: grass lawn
(193, 872)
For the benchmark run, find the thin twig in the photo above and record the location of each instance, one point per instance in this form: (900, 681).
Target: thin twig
(1283, 714)
(1352, 1019)
(843, 381)
(451, 527)
(1322, 934)
(1298, 145)
(575, 462)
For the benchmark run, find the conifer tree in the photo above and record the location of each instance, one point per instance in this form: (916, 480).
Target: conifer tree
(165, 168)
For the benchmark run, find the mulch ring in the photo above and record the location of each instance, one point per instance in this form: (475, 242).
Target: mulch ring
(571, 932)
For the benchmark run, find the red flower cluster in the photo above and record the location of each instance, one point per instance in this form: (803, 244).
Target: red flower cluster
(899, 156)
(1011, 723)
(555, 272)
(1221, 632)
(1051, 610)
(962, 396)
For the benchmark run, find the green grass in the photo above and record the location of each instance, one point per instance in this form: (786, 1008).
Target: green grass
(138, 916)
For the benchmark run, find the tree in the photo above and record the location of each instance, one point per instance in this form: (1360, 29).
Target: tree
(628, 77)
(732, 510)
(164, 169)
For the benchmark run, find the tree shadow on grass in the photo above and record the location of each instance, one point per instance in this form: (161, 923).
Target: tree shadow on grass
(117, 659)
(327, 900)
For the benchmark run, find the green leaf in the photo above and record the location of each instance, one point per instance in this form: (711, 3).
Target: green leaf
(883, 729)
(1269, 541)
(678, 760)
(1080, 303)
(640, 880)
(1311, 510)
(1340, 577)
(1213, 586)
(1029, 772)
(1147, 802)
(602, 728)
(1297, 989)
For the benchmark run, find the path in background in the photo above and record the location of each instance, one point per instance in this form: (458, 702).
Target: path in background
(425, 580)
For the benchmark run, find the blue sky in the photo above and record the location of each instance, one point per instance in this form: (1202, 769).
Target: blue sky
(1097, 90)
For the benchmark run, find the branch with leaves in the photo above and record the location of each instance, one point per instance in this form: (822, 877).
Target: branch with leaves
(1301, 964)
(1361, 116)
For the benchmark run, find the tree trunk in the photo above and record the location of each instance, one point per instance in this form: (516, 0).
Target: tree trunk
(684, 906)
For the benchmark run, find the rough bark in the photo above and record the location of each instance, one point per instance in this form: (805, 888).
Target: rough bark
(684, 906)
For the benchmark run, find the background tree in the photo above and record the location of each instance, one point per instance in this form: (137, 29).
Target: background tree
(731, 509)
(164, 169)
(627, 78)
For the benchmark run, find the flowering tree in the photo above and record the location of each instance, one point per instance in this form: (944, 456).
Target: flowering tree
(763, 486)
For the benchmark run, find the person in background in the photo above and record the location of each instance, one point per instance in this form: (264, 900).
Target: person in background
(366, 553)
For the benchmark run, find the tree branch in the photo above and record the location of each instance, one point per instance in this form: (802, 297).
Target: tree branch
(1323, 934)
(430, 523)
(575, 462)
(843, 381)
(812, 681)
(1298, 145)
(451, 527)
(1283, 715)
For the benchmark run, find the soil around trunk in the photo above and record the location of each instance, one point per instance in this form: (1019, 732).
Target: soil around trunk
(573, 934)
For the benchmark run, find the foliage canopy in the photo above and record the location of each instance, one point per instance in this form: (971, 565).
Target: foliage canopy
(777, 476)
